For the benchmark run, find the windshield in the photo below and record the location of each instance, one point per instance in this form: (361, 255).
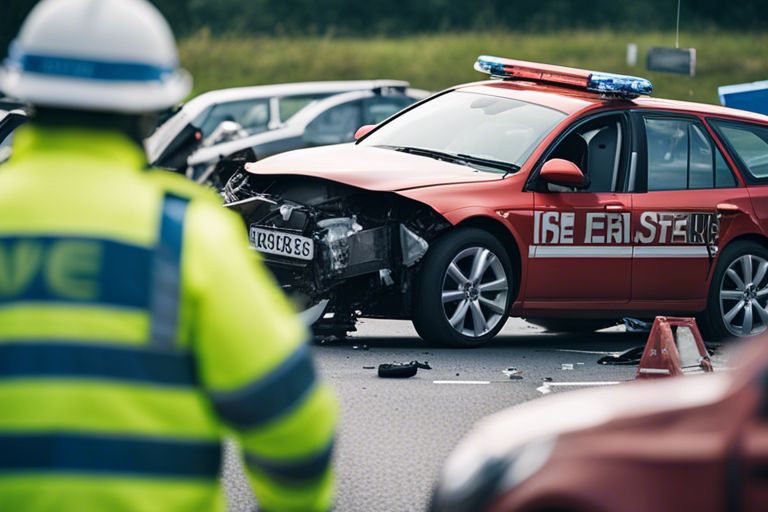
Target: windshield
(473, 126)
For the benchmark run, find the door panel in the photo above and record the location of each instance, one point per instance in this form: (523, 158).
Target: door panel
(671, 230)
(675, 224)
(582, 247)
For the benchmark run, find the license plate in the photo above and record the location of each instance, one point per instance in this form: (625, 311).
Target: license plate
(282, 244)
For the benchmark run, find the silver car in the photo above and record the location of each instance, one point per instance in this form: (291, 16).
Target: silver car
(215, 133)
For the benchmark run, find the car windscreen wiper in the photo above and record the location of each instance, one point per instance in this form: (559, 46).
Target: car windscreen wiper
(507, 167)
(461, 159)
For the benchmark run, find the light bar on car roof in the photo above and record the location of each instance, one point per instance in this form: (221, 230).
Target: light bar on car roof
(605, 83)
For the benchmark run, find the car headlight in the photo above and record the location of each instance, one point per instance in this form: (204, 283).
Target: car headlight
(472, 479)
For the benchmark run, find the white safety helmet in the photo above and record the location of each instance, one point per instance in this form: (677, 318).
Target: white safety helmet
(102, 55)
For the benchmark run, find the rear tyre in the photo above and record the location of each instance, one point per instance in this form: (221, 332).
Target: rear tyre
(463, 290)
(738, 294)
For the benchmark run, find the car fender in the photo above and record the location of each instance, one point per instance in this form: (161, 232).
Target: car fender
(502, 218)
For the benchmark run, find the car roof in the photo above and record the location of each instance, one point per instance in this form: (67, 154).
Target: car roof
(200, 102)
(571, 101)
(309, 112)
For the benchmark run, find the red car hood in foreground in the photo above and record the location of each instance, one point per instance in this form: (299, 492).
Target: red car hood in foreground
(369, 168)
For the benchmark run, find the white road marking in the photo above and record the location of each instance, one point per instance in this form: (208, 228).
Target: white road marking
(545, 387)
(461, 382)
(597, 352)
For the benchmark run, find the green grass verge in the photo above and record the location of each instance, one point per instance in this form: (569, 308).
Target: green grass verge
(437, 61)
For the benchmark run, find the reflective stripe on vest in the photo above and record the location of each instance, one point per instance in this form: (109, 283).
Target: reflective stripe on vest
(166, 274)
(128, 277)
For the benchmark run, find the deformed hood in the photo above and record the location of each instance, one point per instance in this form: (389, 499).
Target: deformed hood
(369, 168)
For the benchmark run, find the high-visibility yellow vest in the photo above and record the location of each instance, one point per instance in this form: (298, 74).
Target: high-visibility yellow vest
(136, 330)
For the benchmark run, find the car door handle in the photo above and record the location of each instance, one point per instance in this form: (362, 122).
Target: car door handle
(614, 207)
(728, 209)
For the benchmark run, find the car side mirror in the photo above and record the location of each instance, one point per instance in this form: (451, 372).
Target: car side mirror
(226, 131)
(364, 130)
(563, 172)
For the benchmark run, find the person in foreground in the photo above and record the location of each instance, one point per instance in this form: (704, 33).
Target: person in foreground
(136, 329)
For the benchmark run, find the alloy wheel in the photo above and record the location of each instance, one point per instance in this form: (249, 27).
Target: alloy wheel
(744, 296)
(475, 291)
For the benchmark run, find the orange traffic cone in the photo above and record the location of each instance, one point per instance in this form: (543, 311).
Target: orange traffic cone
(674, 347)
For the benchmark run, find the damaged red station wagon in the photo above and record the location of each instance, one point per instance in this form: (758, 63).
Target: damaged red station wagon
(556, 194)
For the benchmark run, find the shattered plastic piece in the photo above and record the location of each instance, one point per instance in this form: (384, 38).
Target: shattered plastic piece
(547, 379)
(566, 366)
(286, 210)
(385, 275)
(360, 347)
(401, 370)
(329, 339)
(513, 373)
(412, 245)
(369, 367)
(636, 325)
(336, 237)
(628, 357)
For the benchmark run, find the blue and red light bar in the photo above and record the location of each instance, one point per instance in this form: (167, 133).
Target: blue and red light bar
(605, 83)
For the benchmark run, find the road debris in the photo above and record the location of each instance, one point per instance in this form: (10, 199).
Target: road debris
(628, 357)
(402, 370)
(360, 347)
(369, 367)
(566, 366)
(636, 325)
(513, 373)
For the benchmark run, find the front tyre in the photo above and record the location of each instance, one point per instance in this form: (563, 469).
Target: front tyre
(464, 289)
(738, 294)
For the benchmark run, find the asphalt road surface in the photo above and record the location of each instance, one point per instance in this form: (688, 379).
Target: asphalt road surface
(395, 434)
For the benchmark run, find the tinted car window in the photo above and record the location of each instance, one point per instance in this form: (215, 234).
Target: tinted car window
(667, 154)
(335, 125)
(252, 115)
(290, 105)
(749, 142)
(479, 125)
(681, 155)
(376, 110)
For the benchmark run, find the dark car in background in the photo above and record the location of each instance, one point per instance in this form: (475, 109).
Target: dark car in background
(215, 133)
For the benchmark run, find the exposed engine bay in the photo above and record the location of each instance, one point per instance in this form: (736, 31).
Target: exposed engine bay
(338, 251)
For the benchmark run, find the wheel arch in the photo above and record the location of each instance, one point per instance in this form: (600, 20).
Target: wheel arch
(712, 329)
(749, 237)
(758, 238)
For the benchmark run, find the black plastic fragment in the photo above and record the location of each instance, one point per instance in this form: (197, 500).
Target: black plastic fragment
(401, 370)
(631, 356)
(636, 325)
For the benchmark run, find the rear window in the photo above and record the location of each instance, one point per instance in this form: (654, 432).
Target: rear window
(749, 143)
